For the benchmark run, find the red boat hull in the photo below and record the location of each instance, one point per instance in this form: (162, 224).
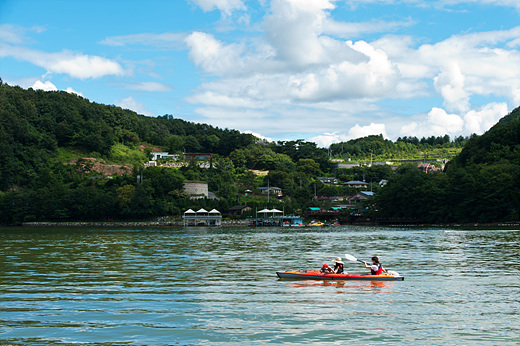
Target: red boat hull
(317, 275)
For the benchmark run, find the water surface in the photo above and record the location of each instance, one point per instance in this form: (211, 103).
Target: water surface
(217, 286)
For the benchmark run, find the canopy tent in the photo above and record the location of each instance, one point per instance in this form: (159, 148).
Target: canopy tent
(202, 217)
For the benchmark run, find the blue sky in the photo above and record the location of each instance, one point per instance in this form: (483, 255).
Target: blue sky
(319, 70)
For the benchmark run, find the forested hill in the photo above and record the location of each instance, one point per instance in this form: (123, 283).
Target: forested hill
(41, 132)
(482, 184)
(501, 143)
(35, 123)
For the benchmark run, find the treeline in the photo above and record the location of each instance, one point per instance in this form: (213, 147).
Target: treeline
(35, 123)
(403, 148)
(38, 184)
(482, 184)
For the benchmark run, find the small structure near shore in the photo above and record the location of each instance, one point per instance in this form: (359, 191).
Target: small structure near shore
(269, 219)
(202, 217)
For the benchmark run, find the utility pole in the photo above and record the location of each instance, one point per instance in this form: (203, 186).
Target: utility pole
(267, 191)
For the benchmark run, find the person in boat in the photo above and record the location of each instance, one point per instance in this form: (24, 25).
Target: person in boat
(326, 269)
(338, 266)
(376, 268)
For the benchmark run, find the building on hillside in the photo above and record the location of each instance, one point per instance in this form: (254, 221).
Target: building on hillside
(238, 210)
(156, 155)
(361, 196)
(428, 168)
(271, 190)
(197, 156)
(328, 180)
(355, 183)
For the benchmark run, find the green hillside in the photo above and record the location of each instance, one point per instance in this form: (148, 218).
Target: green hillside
(63, 157)
(482, 184)
(500, 144)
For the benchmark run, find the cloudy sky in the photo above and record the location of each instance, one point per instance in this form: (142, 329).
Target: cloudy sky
(319, 70)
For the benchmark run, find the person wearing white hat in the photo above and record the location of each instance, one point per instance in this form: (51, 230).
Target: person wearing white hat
(338, 266)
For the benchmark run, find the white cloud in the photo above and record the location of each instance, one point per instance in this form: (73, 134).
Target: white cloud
(450, 84)
(72, 91)
(225, 6)
(13, 34)
(300, 66)
(438, 3)
(212, 55)
(134, 105)
(76, 65)
(326, 139)
(45, 86)
(363, 131)
(482, 120)
(259, 136)
(446, 123)
(149, 86)
(350, 30)
(167, 40)
(437, 123)
(293, 29)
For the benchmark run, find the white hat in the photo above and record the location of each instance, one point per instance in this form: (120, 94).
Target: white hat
(338, 260)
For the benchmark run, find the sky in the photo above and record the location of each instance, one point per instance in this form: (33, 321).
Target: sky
(324, 71)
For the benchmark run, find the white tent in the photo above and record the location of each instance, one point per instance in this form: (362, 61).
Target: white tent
(214, 211)
(265, 211)
(189, 211)
(275, 211)
(202, 210)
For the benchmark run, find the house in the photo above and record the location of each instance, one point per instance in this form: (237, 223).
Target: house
(271, 190)
(164, 155)
(239, 210)
(197, 156)
(428, 168)
(355, 183)
(361, 196)
(328, 180)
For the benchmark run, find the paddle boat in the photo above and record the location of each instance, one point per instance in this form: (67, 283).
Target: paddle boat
(317, 275)
(389, 275)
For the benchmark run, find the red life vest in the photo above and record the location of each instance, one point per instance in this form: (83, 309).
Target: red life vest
(379, 270)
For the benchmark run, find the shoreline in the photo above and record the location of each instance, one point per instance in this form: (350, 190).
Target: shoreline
(241, 223)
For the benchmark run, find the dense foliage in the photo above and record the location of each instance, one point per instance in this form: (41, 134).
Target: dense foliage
(42, 132)
(482, 184)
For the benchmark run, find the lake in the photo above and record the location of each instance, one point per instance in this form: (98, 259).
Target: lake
(218, 286)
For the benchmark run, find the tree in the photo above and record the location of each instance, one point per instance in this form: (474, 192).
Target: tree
(308, 166)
